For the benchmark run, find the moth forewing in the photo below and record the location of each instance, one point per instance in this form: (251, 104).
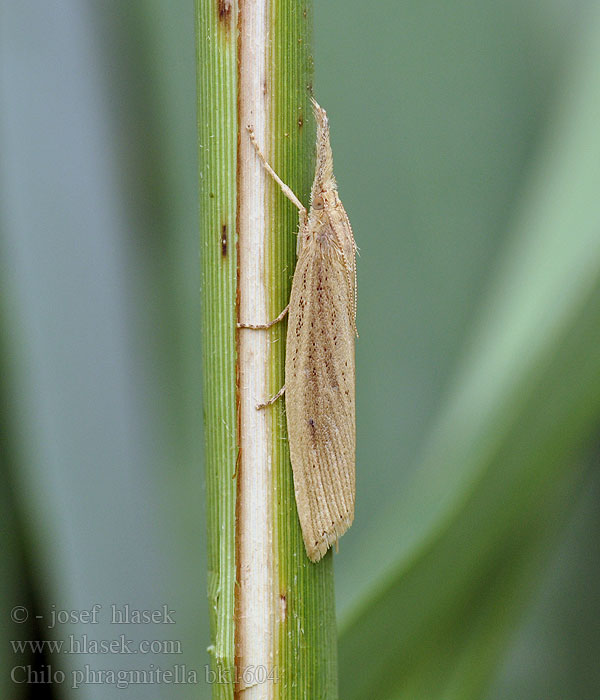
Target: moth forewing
(320, 411)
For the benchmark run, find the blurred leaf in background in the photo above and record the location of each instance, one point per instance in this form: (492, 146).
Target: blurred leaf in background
(100, 317)
(468, 156)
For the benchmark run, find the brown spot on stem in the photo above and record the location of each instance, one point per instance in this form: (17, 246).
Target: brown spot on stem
(224, 240)
(283, 606)
(300, 121)
(224, 12)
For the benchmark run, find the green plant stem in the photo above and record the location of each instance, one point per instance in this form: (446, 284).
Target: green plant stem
(272, 611)
(217, 129)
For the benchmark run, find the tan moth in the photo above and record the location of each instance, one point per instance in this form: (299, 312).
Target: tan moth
(319, 365)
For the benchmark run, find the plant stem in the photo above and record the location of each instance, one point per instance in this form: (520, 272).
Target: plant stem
(276, 627)
(217, 129)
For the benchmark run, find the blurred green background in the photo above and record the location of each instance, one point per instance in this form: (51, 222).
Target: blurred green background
(467, 146)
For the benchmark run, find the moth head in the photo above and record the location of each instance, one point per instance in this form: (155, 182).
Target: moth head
(319, 200)
(323, 199)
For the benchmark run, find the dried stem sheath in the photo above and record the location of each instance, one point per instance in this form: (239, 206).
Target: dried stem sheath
(272, 622)
(256, 562)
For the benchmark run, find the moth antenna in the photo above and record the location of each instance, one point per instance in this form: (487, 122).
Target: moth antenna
(348, 268)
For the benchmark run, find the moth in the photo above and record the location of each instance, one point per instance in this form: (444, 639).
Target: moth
(319, 366)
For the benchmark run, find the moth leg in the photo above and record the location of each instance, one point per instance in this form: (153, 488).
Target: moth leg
(284, 188)
(259, 326)
(259, 406)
